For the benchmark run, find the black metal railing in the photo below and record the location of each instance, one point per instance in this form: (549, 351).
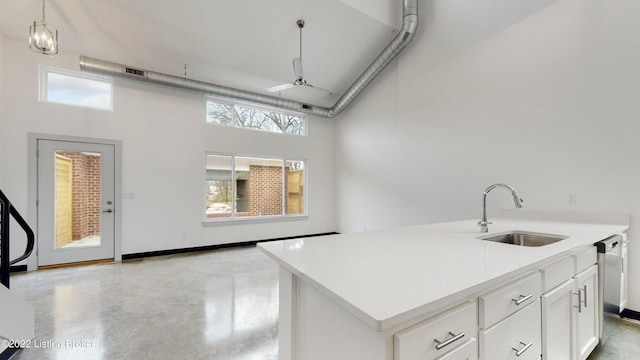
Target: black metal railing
(6, 212)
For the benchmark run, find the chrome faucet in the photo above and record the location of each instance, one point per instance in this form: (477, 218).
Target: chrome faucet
(516, 199)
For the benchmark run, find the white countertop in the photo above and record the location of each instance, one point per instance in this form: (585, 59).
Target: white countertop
(388, 277)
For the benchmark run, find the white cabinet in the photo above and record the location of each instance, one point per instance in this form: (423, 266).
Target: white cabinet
(557, 309)
(570, 315)
(587, 317)
(451, 336)
(551, 314)
(516, 337)
(509, 319)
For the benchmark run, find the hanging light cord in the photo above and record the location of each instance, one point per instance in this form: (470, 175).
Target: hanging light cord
(43, 21)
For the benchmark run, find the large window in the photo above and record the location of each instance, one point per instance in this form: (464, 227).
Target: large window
(252, 118)
(238, 187)
(78, 89)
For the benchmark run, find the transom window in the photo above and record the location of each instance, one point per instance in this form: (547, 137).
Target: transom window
(77, 89)
(252, 118)
(248, 187)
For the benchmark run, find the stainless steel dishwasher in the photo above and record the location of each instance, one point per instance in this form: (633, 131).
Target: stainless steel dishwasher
(609, 281)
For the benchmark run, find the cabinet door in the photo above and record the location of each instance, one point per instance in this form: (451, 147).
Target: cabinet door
(516, 337)
(587, 322)
(557, 307)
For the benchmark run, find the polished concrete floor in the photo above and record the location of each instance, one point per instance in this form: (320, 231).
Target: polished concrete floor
(215, 305)
(620, 341)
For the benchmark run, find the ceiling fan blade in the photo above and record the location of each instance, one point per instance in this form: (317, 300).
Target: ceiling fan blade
(319, 88)
(297, 68)
(282, 87)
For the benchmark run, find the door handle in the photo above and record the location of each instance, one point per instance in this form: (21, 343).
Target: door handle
(107, 211)
(452, 339)
(579, 293)
(525, 348)
(522, 299)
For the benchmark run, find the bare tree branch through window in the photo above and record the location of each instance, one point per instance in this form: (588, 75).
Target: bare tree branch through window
(244, 117)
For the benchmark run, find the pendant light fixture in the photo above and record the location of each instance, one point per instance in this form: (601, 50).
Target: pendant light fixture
(41, 38)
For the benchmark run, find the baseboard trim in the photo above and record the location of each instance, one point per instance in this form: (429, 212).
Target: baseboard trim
(18, 268)
(8, 353)
(80, 263)
(630, 314)
(213, 247)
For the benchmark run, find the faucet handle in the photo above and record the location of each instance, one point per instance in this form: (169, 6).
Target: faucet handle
(483, 225)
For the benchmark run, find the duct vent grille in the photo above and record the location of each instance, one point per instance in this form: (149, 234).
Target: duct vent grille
(133, 71)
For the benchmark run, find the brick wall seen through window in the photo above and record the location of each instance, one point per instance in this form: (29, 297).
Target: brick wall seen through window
(247, 187)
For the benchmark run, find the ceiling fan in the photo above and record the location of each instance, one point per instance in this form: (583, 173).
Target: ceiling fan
(299, 80)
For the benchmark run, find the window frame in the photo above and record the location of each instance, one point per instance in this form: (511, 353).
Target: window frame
(258, 108)
(233, 219)
(43, 86)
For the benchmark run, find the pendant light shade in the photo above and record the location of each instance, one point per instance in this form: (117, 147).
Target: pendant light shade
(42, 39)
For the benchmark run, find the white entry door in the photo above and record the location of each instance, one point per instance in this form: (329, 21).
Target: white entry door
(76, 201)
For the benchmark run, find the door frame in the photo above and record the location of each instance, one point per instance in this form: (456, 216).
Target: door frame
(32, 186)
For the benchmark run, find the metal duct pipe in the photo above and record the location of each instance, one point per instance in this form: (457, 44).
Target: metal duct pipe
(102, 67)
(404, 37)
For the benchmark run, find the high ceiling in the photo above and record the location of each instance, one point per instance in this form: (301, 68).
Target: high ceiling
(244, 44)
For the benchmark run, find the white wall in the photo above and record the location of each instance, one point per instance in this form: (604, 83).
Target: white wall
(164, 137)
(542, 96)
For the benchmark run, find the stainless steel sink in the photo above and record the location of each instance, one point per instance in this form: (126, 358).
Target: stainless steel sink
(523, 238)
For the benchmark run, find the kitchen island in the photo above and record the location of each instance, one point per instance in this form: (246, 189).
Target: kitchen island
(365, 295)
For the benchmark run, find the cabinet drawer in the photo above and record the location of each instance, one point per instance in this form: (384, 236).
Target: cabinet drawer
(508, 299)
(585, 258)
(501, 341)
(468, 351)
(418, 342)
(557, 273)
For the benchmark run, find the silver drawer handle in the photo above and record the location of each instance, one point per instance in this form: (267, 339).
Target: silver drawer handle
(525, 348)
(522, 299)
(585, 296)
(449, 341)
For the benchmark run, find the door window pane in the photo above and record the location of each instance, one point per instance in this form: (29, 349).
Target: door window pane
(77, 199)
